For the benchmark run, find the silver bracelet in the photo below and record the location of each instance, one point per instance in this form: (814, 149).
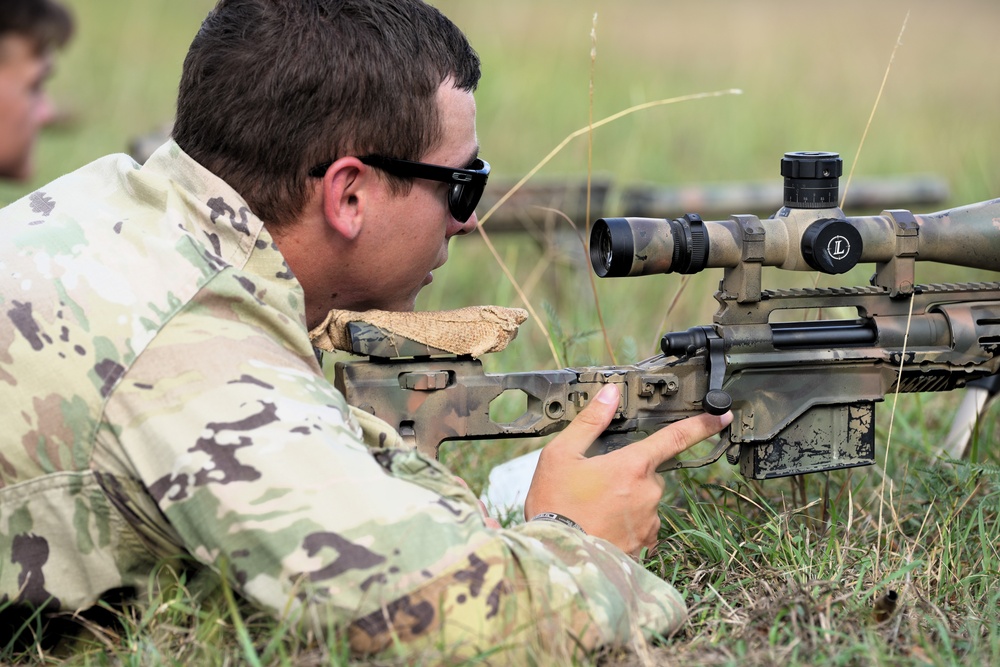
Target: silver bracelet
(558, 518)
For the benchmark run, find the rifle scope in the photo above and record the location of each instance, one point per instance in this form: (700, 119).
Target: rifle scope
(809, 233)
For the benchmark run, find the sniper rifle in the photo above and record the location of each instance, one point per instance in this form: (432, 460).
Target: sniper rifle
(802, 392)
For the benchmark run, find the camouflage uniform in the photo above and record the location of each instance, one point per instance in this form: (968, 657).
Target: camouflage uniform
(161, 399)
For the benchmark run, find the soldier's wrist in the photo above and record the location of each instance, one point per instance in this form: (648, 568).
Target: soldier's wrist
(558, 518)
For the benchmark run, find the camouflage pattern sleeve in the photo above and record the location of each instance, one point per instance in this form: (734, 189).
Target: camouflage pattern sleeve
(164, 402)
(257, 462)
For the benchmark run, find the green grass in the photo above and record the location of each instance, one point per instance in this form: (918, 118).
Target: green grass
(795, 583)
(777, 572)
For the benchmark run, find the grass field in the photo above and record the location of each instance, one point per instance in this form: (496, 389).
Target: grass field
(780, 572)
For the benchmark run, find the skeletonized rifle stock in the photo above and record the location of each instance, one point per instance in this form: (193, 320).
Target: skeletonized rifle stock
(802, 392)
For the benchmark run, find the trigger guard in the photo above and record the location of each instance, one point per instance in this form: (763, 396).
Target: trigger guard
(610, 442)
(710, 458)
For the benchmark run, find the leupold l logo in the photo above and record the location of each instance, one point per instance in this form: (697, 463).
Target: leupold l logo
(838, 247)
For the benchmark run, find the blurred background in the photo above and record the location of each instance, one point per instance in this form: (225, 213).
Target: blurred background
(810, 74)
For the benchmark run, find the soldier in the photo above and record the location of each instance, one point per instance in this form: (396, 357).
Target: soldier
(163, 402)
(30, 30)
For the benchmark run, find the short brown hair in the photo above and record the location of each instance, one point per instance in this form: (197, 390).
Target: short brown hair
(271, 88)
(46, 23)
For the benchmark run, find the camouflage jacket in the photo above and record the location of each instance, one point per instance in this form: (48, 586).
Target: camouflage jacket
(161, 400)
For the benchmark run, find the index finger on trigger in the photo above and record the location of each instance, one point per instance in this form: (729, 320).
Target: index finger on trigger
(668, 442)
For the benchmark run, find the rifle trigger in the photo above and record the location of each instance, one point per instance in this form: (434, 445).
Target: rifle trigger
(733, 455)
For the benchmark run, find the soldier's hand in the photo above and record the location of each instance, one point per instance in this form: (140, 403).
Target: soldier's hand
(614, 496)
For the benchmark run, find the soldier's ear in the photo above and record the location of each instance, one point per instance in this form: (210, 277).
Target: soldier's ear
(347, 190)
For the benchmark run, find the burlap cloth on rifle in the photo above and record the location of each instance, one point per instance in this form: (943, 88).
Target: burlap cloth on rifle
(475, 330)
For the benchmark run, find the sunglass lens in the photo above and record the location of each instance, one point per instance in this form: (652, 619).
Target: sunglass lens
(463, 198)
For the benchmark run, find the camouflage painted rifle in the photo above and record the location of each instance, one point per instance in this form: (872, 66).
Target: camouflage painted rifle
(803, 393)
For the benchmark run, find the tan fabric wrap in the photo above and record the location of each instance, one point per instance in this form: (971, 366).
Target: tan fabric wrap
(475, 330)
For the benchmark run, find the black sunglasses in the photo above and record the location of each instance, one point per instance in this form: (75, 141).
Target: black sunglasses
(466, 189)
